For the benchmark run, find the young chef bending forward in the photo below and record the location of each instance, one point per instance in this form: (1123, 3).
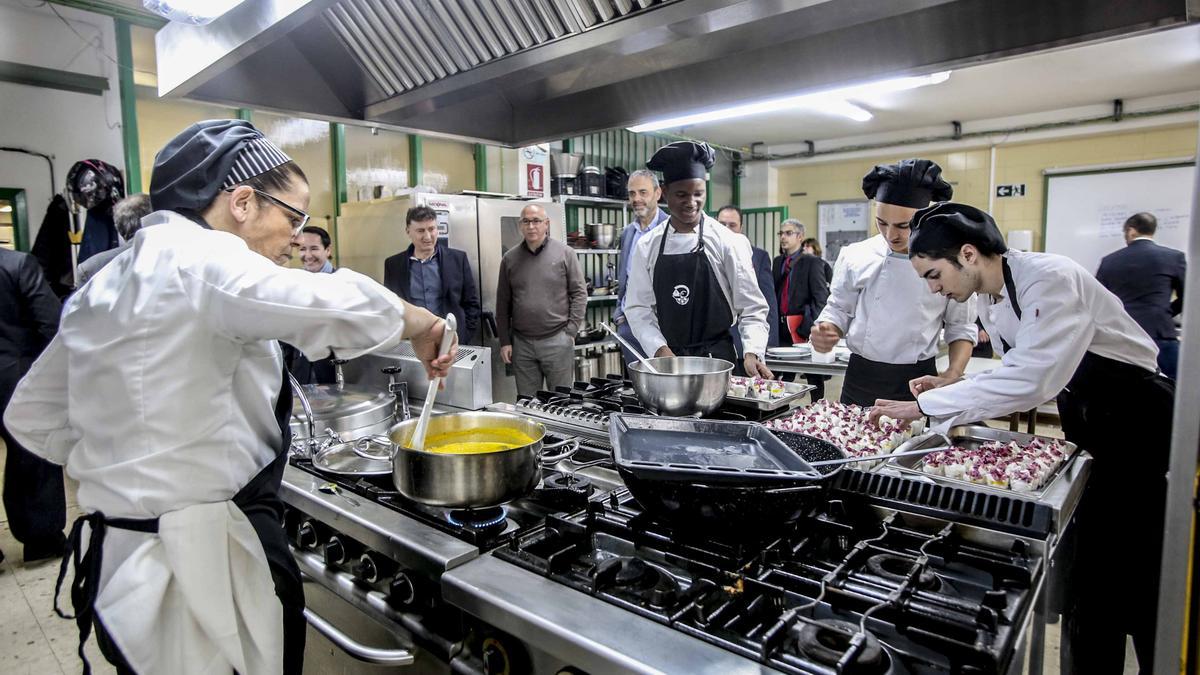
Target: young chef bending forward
(165, 397)
(1062, 333)
(691, 278)
(890, 323)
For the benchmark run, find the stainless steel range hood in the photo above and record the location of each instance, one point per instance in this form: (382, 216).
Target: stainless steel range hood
(513, 72)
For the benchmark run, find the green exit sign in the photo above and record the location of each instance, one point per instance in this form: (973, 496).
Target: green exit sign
(1015, 190)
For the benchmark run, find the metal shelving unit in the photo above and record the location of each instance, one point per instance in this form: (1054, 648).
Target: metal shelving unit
(599, 251)
(598, 343)
(601, 298)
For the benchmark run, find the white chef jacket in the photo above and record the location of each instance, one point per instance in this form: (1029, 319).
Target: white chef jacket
(886, 310)
(729, 255)
(1065, 313)
(158, 394)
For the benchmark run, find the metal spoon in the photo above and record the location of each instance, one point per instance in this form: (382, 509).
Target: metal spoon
(636, 352)
(418, 438)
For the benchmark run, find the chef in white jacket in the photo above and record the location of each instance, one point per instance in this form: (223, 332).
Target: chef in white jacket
(1062, 333)
(891, 324)
(164, 395)
(691, 278)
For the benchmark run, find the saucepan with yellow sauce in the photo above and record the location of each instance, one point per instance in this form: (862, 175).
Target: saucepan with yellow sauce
(472, 459)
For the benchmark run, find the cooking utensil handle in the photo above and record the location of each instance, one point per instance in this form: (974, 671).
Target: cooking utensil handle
(308, 413)
(418, 438)
(636, 352)
(551, 459)
(365, 653)
(868, 458)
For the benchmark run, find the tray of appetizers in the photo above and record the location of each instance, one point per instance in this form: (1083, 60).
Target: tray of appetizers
(992, 459)
(765, 394)
(847, 427)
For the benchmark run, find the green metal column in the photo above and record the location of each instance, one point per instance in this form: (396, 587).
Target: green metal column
(416, 160)
(129, 127)
(337, 148)
(736, 196)
(708, 207)
(481, 172)
(245, 114)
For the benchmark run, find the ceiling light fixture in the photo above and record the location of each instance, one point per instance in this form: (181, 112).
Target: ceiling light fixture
(7, 208)
(195, 12)
(833, 101)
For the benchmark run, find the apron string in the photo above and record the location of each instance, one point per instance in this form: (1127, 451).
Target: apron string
(1011, 287)
(87, 566)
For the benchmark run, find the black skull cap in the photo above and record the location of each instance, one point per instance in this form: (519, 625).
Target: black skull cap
(683, 160)
(913, 183)
(192, 168)
(949, 225)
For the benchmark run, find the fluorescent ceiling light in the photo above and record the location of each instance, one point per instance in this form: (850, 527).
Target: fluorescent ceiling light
(196, 12)
(7, 208)
(835, 101)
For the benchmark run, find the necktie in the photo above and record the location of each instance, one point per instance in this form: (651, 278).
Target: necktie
(787, 280)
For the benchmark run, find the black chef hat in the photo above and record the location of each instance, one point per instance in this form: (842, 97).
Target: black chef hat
(206, 157)
(940, 230)
(912, 182)
(682, 160)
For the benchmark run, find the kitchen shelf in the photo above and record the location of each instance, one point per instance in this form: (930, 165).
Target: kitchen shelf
(601, 298)
(599, 251)
(590, 201)
(598, 343)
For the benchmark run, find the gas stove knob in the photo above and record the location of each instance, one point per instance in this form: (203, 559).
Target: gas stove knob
(495, 658)
(336, 551)
(307, 536)
(372, 567)
(402, 591)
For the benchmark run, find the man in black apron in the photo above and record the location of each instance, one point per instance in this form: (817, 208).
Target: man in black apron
(891, 325)
(691, 278)
(1063, 334)
(180, 336)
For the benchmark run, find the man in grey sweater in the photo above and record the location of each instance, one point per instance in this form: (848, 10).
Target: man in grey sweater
(540, 303)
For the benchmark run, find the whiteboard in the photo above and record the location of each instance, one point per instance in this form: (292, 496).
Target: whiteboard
(841, 223)
(1085, 211)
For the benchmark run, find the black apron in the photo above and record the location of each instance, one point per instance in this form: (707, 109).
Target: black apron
(1122, 415)
(867, 380)
(259, 501)
(692, 311)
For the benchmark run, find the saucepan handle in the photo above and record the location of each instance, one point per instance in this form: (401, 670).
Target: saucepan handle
(362, 445)
(551, 459)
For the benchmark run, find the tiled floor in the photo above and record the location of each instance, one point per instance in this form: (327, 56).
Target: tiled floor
(34, 641)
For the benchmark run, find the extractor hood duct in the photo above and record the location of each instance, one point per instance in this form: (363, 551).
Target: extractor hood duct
(514, 72)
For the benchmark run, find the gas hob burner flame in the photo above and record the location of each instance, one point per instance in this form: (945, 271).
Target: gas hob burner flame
(478, 519)
(829, 641)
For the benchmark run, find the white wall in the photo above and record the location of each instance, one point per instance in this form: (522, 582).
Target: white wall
(66, 125)
(760, 185)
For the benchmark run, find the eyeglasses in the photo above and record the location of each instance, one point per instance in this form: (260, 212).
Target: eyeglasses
(296, 226)
(533, 221)
(788, 233)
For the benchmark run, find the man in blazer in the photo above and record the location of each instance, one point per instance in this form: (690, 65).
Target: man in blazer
(1144, 275)
(731, 216)
(432, 275)
(34, 497)
(800, 282)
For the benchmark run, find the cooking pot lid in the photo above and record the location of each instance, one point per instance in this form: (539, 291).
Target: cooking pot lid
(329, 402)
(343, 458)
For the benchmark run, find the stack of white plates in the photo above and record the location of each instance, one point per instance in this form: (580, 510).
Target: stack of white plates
(789, 353)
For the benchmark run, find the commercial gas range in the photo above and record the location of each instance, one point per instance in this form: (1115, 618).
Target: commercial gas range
(575, 578)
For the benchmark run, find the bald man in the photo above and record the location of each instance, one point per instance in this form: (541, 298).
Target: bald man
(540, 304)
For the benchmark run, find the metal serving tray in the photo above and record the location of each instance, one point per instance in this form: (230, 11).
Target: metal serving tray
(791, 392)
(685, 449)
(972, 436)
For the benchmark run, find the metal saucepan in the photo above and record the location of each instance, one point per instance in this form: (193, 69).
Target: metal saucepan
(602, 235)
(683, 385)
(471, 480)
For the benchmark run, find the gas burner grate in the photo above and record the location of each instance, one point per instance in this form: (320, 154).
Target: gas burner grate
(843, 590)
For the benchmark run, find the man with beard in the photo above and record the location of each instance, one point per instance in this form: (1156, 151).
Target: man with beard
(644, 194)
(691, 278)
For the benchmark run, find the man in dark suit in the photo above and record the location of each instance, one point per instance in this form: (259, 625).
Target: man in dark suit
(802, 288)
(34, 496)
(1143, 275)
(432, 275)
(731, 216)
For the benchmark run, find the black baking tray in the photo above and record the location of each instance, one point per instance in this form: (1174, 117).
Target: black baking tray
(710, 451)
